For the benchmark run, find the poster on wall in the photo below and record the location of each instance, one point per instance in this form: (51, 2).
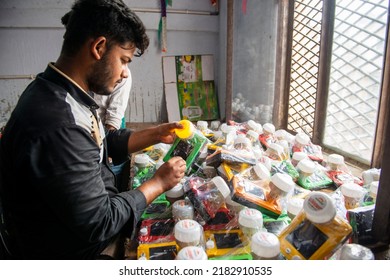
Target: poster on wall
(189, 87)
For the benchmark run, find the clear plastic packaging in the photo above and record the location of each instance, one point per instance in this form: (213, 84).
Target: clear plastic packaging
(338, 171)
(316, 232)
(187, 145)
(267, 137)
(207, 196)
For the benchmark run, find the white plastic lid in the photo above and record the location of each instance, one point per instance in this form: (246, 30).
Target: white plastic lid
(251, 218)
(335, 159)
(241, 139)
(252, 124)
(283, 181)
(280, 133)
(191, 253)
(265, 244)
(299, 156)
(269, 128)
(276, 147)
(141, 159)
(294, 205)
(210, 244)
(221, 185)
(352, 190)
(176, 191)
(374, 187)
(355, 252)
(319, 207)
(302, 138)
(187, 230)
(202, 124)
(262, 171)
(253, 134)
(143, 231)
(306, 165)
(229, 128)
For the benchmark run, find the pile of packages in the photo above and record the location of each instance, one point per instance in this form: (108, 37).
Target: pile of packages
(254, 192)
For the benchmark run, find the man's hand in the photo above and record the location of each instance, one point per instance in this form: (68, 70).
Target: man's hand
(166, 132)
(166, 177)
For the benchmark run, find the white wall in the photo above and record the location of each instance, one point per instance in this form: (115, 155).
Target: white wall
(31, 36)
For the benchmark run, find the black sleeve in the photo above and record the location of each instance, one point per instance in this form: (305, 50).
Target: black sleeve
(117, 144)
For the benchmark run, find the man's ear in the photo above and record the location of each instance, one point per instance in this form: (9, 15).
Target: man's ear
(99, 47)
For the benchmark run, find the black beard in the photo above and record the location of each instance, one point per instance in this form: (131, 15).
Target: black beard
(98, 78)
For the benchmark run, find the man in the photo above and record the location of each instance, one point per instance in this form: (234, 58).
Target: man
(58, 193)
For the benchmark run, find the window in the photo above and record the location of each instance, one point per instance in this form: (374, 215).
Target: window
(337, 57)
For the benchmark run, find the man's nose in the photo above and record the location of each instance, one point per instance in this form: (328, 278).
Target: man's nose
(125, 73)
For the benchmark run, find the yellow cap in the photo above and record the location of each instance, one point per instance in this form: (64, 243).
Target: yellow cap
(187, 131)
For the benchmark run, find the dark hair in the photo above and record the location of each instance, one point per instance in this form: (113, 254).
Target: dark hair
(109, 18)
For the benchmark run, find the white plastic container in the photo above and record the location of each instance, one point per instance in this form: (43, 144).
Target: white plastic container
(175, 194)
(297, 157)
(268, 129)
(265, 246)
(142, 160)
(280, 186)
(306, 168)
(335, 161)
(294, 206)
(355, 252)
(352, 194)
(182, 210)
(250, 221)
(188, 233)
(192, 253)
(301, 140)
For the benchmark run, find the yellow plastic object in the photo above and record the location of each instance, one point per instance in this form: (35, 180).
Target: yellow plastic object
(157, 251)
(187, 131)
(226, 243)
(318, 237)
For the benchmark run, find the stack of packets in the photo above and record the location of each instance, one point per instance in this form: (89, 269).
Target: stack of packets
(254, 192)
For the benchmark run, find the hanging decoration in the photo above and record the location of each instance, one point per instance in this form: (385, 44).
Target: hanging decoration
(243, 6)
(214, 2)
(162, 27)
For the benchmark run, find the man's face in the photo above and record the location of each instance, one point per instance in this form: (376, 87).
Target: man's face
(111, 69)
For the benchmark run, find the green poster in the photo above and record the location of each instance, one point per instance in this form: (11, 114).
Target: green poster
(197, 96)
